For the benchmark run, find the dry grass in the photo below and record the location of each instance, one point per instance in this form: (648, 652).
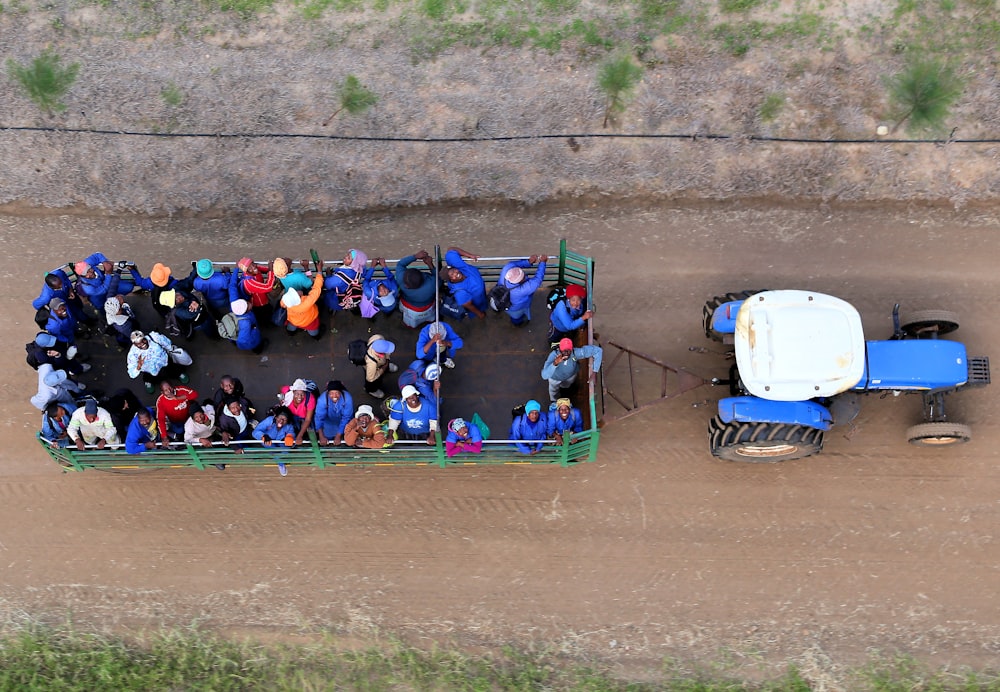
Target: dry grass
(278, 74)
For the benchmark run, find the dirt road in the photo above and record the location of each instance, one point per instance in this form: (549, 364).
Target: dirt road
(655, 550)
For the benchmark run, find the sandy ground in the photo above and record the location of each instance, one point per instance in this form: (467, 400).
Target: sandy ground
(656, 550)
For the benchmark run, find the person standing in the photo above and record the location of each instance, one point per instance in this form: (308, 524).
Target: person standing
(378, 363)
(363, 430)
(522, 287)
(417, 289)
(334, 410)
(563, 364)
(92, 425)
(465, 282)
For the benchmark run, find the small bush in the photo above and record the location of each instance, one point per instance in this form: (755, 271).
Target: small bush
(617, 78)
(771, 106)
(172, 95)
(353, 97)
(922, 94)
(46, 80)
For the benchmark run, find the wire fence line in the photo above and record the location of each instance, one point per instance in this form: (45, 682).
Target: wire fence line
(951, 139)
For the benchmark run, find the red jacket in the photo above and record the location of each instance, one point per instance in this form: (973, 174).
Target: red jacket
(258, 290)
(176, 409)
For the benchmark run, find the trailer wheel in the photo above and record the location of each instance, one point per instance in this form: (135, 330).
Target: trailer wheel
(938, 434)
(763, 442)
(712, 305)
(927, 324)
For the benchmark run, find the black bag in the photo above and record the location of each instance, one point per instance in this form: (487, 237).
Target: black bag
(172, 326)
(279, 316)
(32, 361)
(356, 351)
(517, 411)
(554, 296)
(499, 298)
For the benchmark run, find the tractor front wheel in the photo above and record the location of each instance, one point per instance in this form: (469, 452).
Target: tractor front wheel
(763, 442)
(927, 324)
(714, 304)
(938, 434)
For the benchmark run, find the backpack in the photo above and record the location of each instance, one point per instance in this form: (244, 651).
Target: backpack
(357, 350)
(517, 411)
(499, 298)
(171, 326)
(32, 361)
(450, 307)
(554, 296)
(228, 326)
(351, 297)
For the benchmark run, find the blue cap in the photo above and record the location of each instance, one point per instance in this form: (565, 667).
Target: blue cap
(532, 405)
(90, 407)
(383, 346)
(204, 268)
(45, 340)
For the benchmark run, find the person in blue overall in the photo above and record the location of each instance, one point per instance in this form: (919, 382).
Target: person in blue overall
(438, 336)
(424, 376)
(142, 434)
(530, 430)
(465, 282)
(334, 410)
(248, 337)
(382, 293)
(416, 418)
(564, 419)
(277, 431)
(214, 285)
(522, 287)
(417, 289)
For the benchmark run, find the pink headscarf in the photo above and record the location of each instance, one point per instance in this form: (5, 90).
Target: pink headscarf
(359, 261)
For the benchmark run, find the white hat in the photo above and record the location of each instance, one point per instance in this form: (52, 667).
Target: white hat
(239, 307)
(432, 372)
(299, 385)
(409, 390)
(291, 298)
(364, 410)
(514, 275)
(435, 328)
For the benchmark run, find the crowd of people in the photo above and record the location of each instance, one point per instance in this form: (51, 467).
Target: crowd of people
(97, 295)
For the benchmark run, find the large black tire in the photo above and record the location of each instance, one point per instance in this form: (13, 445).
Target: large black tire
(938, 434)
(712, 305)
(928, 324)
(763, 442)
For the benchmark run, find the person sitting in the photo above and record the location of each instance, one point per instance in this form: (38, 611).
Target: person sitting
(92, 425)
(463, 438)
(417, 289)
(235, 423)
(143, 432)
(439, 337)
(465, 282)
(54, 385)
(522, 288)
(334, 411)
(58, 354)
(301, 403)
(200, 429)
(278, 428)
(417, 417)
(564, 419)
(529, 429)
(55, 421)
(569, 314)
(150, 358)
(342, 289)
(381, 293)
(302, 312)
(121, 320)
(173, 408)
(363, 430)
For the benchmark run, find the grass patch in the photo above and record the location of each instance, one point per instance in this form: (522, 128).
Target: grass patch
(38, 658)
(738, 5)
(771, 107)
(246, 9)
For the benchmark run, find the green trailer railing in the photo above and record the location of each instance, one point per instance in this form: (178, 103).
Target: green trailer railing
(572, 268)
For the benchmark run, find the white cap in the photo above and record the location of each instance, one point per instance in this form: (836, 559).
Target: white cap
(299, 386)
(291, 298)
(432, 372)
(364, 410)
(409, 390)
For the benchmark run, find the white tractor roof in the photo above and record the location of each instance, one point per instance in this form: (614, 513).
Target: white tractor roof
(798, 345)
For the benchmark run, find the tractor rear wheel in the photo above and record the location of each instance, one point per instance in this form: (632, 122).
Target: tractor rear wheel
(938, 434)
(712, 305)
(763, 442)
(926, 324)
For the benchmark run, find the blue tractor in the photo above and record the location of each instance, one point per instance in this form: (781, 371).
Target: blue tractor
(802, 363)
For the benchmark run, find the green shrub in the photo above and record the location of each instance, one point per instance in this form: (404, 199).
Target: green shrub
(353, 97)
(922, 94)
(617, 78)
(46, 80)
(771, 106)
